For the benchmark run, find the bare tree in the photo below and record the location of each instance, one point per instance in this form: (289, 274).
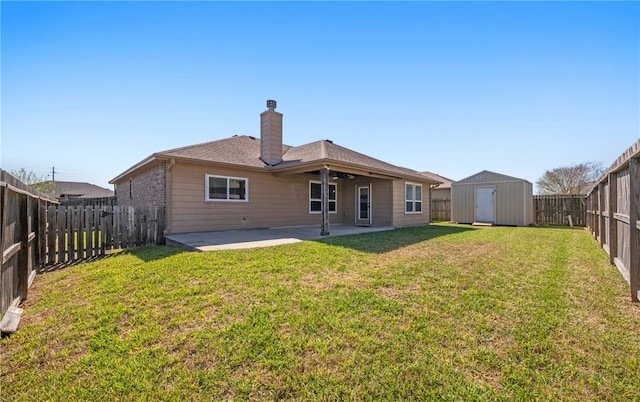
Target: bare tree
(34, 180)
(570, 179)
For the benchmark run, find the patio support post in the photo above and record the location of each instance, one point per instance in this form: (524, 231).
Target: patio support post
(324, 200)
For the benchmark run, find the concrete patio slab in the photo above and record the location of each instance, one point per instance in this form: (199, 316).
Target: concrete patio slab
(250, 238)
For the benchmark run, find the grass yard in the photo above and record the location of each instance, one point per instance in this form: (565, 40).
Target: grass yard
(443, 312)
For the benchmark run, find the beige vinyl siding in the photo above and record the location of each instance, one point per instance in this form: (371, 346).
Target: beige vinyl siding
(346, 203)
(278, 200)
(273, 200)
(463, 203)
(382, 202)
(509, 204)
(400, 217)
(513, 199)
(380, 199)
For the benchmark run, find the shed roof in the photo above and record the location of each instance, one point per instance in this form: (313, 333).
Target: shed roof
(487, 176)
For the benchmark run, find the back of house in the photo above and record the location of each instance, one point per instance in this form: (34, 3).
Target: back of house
(244, 182)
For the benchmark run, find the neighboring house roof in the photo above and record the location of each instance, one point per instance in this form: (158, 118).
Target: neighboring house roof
(80, 190)
(244, 151)
(445, 183)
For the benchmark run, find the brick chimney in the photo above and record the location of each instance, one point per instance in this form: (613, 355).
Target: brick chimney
(271, 134)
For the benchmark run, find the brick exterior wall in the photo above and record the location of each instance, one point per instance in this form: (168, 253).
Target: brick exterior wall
(147, 189)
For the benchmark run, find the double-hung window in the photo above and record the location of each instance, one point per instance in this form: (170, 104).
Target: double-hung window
(223, 188)
(315, 197)
(413, 198)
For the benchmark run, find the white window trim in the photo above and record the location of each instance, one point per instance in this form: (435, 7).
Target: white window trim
(206, 188)
(331, 183)
(413, 201)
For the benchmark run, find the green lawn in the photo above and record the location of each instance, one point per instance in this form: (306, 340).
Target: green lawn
(441, 312)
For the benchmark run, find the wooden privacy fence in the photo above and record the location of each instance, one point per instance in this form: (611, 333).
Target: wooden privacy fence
(71, 233)
(96, 201)
(441, 210)
(554, 209)
(36, 232)
(613, 215)
(19, 222)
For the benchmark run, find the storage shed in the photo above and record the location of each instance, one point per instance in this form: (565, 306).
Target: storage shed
(492, 198)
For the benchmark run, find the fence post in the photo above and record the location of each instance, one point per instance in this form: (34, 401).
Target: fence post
(42, 230)
(23, 254)
(52, 226)
(131, 227)
(602, 225)
(61, 230)
(44, 227)
(613, 225)
(117, 226)
(161, 224)
(594, 207)
(102, 230)
(96, 231)
(588, 201)
(71, 241)
(88, 223)
(593, 201)
(634, 230)
(109, 226)
(5, 301)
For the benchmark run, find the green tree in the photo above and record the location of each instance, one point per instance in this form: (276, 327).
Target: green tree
(31, 178)
(572, 179)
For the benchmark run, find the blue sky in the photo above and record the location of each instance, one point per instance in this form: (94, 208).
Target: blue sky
(454, 88)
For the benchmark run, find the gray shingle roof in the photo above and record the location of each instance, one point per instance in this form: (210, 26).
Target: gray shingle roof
(243, 150)
(327, 150)
(237, 150)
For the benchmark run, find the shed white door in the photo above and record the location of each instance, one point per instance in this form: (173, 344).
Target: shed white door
(485, 204)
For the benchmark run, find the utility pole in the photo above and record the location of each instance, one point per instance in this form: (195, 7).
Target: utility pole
(53, 173)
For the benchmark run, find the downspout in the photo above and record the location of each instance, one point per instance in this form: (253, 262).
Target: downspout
(168, 204)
